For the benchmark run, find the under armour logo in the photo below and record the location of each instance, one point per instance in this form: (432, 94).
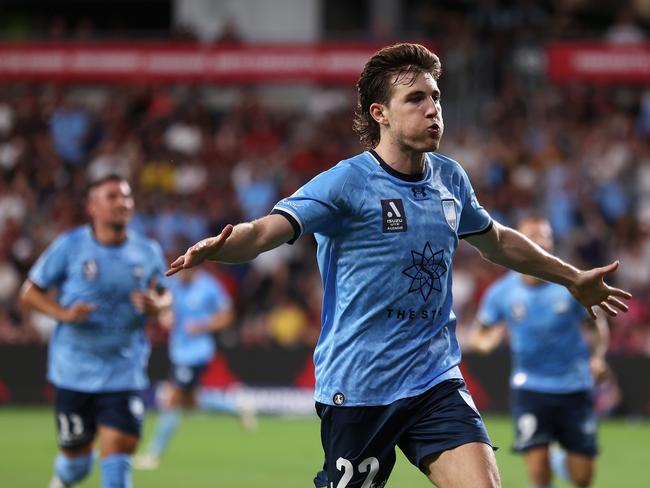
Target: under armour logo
(419, 192)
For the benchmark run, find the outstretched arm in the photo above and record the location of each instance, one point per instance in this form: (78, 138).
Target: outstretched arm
(237, 244)
(507, 247)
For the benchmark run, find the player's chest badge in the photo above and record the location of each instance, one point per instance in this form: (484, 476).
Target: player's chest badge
(449, 211)
(561, 307)
(518, 311)
(137, 271)
(90, 269)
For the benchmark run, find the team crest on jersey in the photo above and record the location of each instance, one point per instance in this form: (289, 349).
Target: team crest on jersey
(561, 307)
(518, 311)
(90, 269)
(138, 271)
(449, 210)
(393, 215)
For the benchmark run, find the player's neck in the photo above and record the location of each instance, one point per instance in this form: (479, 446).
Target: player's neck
(110, 235)
(402, 160)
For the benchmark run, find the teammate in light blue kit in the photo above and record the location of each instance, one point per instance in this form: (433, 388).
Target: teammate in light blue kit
(108, 280)
(201, 307)
(554, 364)
(387, 223)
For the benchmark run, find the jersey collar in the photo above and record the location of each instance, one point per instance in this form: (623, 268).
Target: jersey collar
(397, 174)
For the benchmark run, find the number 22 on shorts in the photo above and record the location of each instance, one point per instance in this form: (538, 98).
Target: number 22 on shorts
(369, 465)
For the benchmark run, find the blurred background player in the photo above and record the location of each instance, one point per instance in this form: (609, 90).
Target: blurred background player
(557, 351)
(108, 280)
(201, 306)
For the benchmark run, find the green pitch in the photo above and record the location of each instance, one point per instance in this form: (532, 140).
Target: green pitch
(212, 451)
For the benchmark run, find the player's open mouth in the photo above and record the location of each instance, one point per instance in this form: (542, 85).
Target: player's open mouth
(433, 129)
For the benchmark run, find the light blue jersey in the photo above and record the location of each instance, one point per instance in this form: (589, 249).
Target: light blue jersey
(385, 246)
(550, 354)
(195, 302)
(109, 351)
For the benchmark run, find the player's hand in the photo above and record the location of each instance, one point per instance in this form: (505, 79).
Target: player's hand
(199, 252)
(194, 329)
(77, 313)
(146, 301)
(591, 290)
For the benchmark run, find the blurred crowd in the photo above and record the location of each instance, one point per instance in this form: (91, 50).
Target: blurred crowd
(578, 154)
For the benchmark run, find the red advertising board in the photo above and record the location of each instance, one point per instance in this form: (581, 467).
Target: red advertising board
(598, 62)
(161, 62)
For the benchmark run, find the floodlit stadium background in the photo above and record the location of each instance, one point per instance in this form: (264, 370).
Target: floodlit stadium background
(216, 109)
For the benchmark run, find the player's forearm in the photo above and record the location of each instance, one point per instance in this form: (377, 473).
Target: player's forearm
(33, 298)
(481, 344)
(166, 318)
(515, 251)
(250, 239)
(484, 340)
(600, 341)
(241, 246)
(221, 320)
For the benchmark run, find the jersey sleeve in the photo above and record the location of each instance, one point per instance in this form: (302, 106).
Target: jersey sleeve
(474, 219)
(50, 270)
(320, 205)
(490, 311)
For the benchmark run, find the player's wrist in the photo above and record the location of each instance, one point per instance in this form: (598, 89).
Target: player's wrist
(570, 277)
(598, 356)
(61, 314)
(163, 303)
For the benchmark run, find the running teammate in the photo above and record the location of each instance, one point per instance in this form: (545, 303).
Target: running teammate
(107, 280)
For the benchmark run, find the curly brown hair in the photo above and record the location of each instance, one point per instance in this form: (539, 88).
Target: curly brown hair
(404, 60)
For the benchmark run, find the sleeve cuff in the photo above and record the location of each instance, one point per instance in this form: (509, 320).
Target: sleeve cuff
(478, 232)
(37, 284)
(297, 230)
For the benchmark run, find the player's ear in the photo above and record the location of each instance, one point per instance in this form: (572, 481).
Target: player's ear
(378, 112)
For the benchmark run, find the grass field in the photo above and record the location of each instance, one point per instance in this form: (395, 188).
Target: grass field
(212, 451)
